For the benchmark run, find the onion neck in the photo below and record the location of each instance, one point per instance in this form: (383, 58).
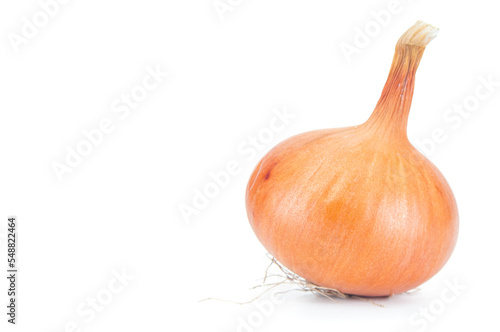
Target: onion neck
(390, 117)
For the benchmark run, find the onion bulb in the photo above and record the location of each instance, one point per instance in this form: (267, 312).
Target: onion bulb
(358, 209)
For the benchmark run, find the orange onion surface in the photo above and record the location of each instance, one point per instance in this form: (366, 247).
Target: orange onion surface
(358, 209)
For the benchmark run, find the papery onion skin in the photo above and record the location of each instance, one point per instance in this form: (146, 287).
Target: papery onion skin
(358, 209)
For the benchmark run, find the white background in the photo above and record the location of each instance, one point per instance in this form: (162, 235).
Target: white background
(119, 208)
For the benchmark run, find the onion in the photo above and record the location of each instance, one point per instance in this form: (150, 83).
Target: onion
(358, 209)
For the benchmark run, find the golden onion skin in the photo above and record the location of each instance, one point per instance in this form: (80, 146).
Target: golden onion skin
(358, 209)
(344, 212)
